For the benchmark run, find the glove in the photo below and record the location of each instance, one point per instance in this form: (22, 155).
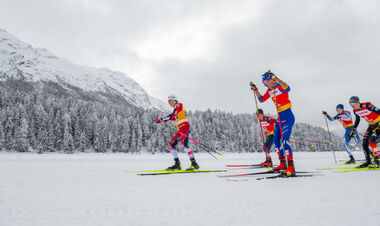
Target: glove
(253, 87)
(352, 133)
(323, 112)
(273, 77)
(158, 120)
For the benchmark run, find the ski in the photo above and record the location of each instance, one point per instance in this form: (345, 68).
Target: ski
(257, 173)
(347, 164)
(284, 176)
(146, 171)
(244, 168)
(166, 172)
(358, 169)
(336, 168)
(356, 160)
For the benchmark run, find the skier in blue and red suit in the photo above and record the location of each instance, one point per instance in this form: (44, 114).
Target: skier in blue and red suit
(278, 90)
(346, 119)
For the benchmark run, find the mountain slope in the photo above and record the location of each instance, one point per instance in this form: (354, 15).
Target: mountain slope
(20, 60)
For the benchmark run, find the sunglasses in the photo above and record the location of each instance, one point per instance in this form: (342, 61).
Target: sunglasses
(265, 81)
(352, 103)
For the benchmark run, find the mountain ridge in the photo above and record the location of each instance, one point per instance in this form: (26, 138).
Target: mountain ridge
(21, 60)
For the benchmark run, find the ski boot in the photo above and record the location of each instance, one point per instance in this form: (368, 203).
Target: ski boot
(282, 165)
(290, 172)
(176, 166)
(351, 161)
(194, 165)
(364, 165)
(376, 161)
(267, 163)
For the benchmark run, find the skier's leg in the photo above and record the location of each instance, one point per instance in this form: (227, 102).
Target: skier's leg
(268, 145)
(266, 148)
(277, 140)
(185, 130)
(347, 140)
(287, 127)
(185, 143)
(366, 137)
(172, 145)
(372, 140)
(287, 131)
(357, 139)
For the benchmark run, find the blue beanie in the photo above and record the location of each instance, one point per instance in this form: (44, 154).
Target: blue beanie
(267, 75)
(340, 106)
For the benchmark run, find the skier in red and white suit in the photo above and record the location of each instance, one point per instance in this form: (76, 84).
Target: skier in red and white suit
(371, 114)
(179, 115)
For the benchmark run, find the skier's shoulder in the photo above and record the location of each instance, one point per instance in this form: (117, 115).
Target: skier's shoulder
(178, 107)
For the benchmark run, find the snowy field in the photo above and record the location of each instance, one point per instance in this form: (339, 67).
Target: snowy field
(95, 189)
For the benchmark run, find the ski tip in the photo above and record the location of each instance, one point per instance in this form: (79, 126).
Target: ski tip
(221, 154)
(330, 143)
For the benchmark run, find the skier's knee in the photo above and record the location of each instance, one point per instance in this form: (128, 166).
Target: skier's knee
(185, 142)
(173, 144)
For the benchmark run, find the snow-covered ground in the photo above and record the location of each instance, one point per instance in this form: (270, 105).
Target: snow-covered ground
(95, 189)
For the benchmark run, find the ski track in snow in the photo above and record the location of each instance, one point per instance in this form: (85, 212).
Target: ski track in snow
(95, 189)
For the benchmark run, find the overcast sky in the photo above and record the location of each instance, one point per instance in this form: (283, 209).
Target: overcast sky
(207, 52)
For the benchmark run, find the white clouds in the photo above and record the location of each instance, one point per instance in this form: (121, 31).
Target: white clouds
(326, 50)
(195, 36)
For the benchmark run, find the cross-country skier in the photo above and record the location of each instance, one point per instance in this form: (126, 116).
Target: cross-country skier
(371, 114)
(179, 115)
(345, 118)
(278, 90)
(267, 123)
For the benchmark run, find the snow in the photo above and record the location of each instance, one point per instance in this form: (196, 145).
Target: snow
(38, 64)
(95, 189)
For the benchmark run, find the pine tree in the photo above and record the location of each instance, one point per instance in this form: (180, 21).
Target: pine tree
(68, 143)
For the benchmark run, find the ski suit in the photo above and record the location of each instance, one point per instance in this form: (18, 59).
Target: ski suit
(286, 118)
(179, 115)
(371, 114)
(268, 125)
(346, 120)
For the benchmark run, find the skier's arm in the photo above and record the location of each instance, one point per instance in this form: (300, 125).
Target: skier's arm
(357, 121)
(332, 119)
(283, 86)
(171, 116)
(329, 117)
(372, 108)
(255, 89)
(264, 97)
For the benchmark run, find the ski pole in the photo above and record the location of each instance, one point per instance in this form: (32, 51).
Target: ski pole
(257, 108)
(206, 148)
(312, 141)
(278, 114)
(312, 146)
(197, 142)
(331, 143)
(171, 127)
